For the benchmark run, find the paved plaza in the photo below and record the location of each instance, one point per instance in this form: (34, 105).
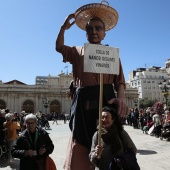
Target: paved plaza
(153, 154)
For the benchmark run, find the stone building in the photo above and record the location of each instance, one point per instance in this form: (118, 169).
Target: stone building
(146, 81)
(131, 95)
(46, 97)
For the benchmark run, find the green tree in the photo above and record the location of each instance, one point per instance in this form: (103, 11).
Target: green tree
(144, 103)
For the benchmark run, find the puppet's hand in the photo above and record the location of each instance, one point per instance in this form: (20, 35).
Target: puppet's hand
(122, 106)
(67, 23)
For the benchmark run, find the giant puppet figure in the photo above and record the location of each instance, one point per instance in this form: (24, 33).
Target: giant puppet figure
(95, 19)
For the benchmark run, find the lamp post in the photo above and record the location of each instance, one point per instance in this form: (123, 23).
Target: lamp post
(165, 86)
(46, 103)
(136, 102)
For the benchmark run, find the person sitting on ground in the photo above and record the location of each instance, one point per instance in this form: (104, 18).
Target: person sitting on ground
(147, 126)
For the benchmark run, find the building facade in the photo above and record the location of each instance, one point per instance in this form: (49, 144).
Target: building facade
(131, 95)
(146, 81)
(47, 95)
(17, 96)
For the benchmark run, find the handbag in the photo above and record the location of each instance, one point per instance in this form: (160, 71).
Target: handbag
(50, 165)
(125, 161)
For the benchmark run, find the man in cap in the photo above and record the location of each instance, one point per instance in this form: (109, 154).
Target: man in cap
(85, 105)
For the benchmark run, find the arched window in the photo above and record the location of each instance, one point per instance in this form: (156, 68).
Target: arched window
(55, 106)
(28, 106)
(2, 104)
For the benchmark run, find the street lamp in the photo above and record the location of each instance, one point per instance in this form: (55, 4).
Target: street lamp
(165, 86)
(46, 103)
(136, 102)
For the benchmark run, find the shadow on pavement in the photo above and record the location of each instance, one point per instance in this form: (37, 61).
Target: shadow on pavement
(6, 165)
(146, 152)
(16, 165)
(3, 164)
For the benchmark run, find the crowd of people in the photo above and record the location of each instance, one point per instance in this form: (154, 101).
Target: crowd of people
(13, 126)
(115, 149)
(151, 120)
(28, 141)
(154, 121)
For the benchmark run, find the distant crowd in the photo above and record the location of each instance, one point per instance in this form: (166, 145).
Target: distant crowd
(154, 121)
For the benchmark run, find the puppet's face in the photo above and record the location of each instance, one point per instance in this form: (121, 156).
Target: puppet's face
(95, 32)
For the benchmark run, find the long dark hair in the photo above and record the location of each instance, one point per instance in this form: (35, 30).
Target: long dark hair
(114, 115)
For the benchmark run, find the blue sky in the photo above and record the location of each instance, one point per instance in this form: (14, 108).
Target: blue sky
(28, 30)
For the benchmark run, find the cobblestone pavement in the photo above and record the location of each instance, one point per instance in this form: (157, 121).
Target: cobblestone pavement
(153, 154)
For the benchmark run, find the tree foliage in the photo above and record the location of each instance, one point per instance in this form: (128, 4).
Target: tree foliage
(144, 103)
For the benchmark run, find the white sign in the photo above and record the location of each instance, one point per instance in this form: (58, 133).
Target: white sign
(101, 59)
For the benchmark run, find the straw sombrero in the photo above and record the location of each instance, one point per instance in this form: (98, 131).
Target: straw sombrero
(106, 13)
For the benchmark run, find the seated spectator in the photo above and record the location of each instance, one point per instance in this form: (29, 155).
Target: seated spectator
(147, 126)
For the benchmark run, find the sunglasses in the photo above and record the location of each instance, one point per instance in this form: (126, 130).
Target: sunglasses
(96, 28)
